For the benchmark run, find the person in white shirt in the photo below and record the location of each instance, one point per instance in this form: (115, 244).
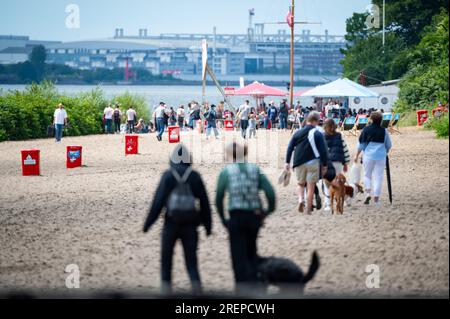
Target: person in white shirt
(181, 116)
(131, 118)
(158, 115)
(243, 114)
(59, 121)
(108, 112)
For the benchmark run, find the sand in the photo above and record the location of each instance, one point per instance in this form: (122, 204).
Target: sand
(93, 217)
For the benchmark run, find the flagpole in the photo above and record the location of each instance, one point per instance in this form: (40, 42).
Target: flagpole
(292, 54)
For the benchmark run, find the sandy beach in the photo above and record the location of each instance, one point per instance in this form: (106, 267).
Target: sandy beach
(93, 217)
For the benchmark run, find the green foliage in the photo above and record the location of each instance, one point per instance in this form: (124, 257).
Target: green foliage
(37, 59)
(137, 102)
(408, 118)
(357, 29)
(408, 18)
(439, 125)
(27, 114)
(368, 55)
(426, 82)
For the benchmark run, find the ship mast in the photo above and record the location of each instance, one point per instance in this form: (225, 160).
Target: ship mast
(291, 92)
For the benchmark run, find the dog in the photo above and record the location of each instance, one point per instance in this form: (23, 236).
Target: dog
(337, 192)
(351, 191)
(285, 274)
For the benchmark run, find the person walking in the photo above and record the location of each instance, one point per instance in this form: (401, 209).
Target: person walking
(179, 189)
(59, 121)
(211, 119)
(284, 112)
(181, 116)
(273, 114)
(338, 152)
(375, 144)
(243, 113)
(108, 112)
(251, 130)
(131, 119)
(310, 160)
(117, 115)
(160, 120)
(243, 182)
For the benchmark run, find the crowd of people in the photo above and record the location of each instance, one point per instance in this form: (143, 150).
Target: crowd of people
(314, 153)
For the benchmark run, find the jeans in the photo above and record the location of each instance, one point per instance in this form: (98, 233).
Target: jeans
(244, 126)
(181, 122)
(283, 121)
(117, 126)
(212, 127)
(160, 126)
(59, 132)
(373, 175)
(108, 126)
(243, 230)
(189, 238)
(251, 132)
(130, 127)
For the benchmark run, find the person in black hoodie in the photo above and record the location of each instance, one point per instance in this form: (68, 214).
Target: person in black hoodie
(310, 159)
(173, 230)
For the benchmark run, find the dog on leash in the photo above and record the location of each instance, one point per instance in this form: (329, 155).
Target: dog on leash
(337, 193)
(285, 274)
(351, 191)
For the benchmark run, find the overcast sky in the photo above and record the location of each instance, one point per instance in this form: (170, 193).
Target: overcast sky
(46, 19)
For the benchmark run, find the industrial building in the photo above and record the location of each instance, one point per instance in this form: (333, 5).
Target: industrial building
(253, 52)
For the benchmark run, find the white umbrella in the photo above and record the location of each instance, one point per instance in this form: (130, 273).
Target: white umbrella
(341, 88)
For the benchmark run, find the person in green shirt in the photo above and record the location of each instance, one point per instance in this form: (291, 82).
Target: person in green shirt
(243, 182)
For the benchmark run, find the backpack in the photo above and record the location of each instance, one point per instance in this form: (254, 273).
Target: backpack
(181, 202)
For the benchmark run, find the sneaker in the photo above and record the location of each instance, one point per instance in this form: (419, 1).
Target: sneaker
(327, 208)
(377, 205)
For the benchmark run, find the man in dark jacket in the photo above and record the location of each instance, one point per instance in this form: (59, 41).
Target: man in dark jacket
(172, 230)
(310, 159)
(284, 112)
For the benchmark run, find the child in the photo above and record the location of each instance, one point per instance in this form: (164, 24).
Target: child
(338, 151)
(251, 130)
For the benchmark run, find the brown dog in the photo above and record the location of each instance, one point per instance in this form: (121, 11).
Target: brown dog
(338, 192)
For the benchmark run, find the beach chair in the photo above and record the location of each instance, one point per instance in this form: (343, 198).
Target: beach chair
(348, 125)
(387, 119)
(360, 124)
(393, 124)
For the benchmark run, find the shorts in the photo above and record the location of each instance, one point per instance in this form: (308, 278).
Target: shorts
(308, 173)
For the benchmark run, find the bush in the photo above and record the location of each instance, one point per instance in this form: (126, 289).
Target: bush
(27, 114)
(439, 125)
(137, 102)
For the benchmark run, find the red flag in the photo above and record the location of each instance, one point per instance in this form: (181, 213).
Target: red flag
(290, 19)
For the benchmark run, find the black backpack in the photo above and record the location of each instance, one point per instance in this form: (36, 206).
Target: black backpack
(181, 204)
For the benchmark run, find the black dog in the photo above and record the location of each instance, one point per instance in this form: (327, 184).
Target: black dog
(285, 274)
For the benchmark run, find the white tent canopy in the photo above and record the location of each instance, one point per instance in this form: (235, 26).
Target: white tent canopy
(341, 88)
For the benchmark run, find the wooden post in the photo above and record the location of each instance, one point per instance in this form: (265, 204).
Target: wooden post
(292, 54)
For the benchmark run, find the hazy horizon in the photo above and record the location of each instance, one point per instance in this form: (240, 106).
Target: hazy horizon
(45, 19)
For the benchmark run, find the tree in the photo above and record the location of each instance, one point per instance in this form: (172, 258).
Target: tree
(408, 18)
(37, 59)
(357, 29)
(370, 57)
(427, 82)
(27, 72)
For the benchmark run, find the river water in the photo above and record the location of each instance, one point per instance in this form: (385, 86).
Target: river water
(172, 95)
